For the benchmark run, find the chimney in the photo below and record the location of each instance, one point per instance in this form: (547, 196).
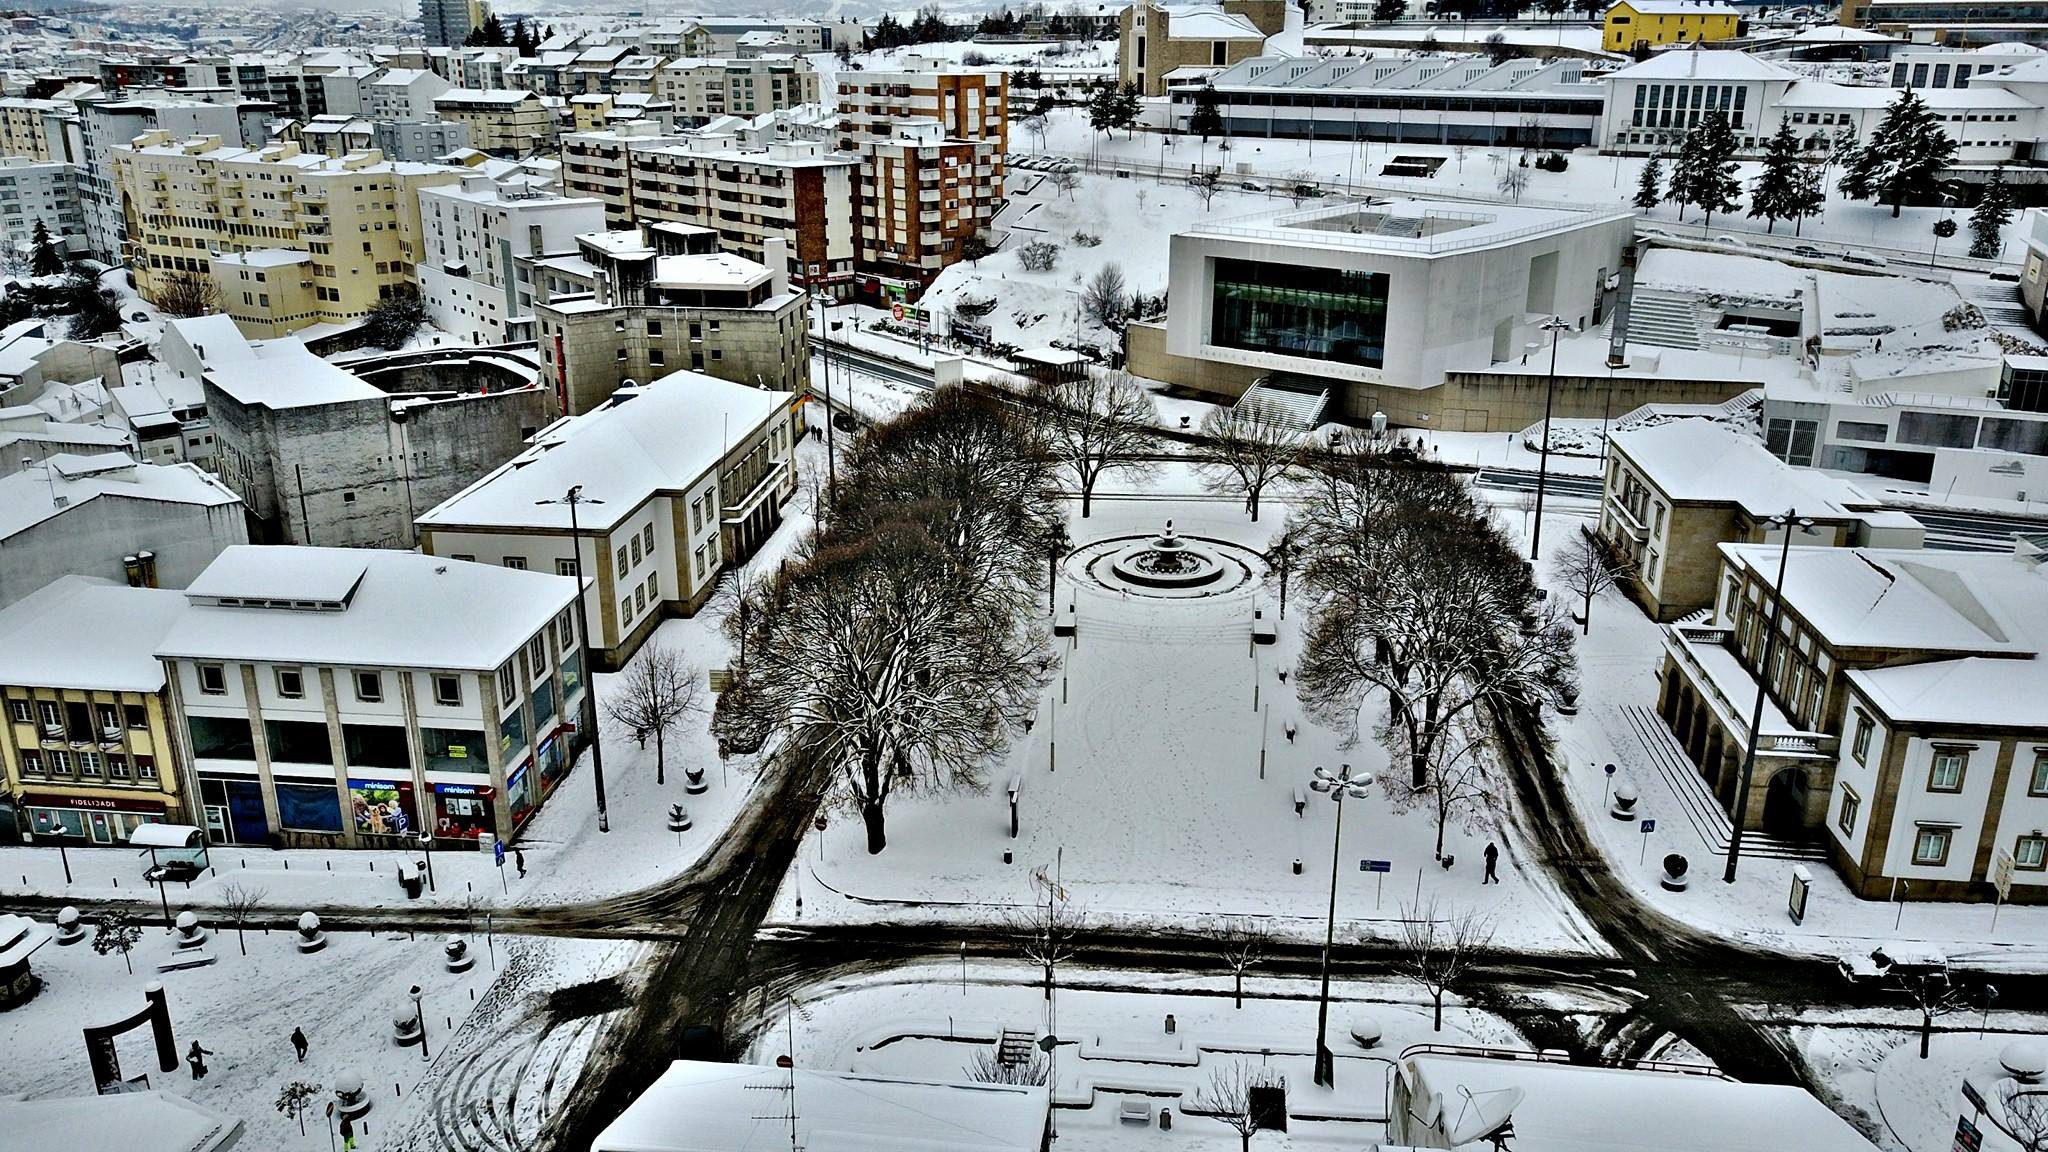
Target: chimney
(775, 254)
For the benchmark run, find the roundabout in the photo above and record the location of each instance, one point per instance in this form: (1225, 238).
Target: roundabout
(1166, 566)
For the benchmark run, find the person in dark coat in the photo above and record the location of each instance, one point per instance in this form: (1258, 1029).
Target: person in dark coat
(197, 1059)
(300, 1043)
(1492, 862)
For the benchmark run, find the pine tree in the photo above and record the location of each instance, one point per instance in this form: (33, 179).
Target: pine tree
(1386, 10)
(44, 259)
(1903, 159)
(1705, 173)
(1130, 103)
(1987, 223)
(1650, 188)
(1207, 119)
(1809, 195)
(493, 32)
(1777, 186)
(1102, 109)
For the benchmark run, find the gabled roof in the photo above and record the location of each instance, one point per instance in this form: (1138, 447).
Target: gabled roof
(1679, 8)
(66, 482)
(1693, 64)
(1700, 461)
(43, 646)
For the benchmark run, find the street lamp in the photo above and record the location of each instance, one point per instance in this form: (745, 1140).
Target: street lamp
(574, 497)
(1554, 325)
(1786, 522)
(1336, 787)
(427, 846)
(419, 1021)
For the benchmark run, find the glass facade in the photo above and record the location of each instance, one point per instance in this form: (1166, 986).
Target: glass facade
(1316, 313)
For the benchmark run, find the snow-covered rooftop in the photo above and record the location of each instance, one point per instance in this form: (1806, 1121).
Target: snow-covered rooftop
(1702, 461)
(709, 269)
(43, 646)
(1401, 227)
(661, 437)
(1692, 64)
(65, 482)
(130, 1121)
(284, 374)
(1681, 8)
(1209, 22)
(703, 1107)
(399, 609)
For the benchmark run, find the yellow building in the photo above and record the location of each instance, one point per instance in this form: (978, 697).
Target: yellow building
(1643, 24)
(84, 741)
(501, 121)
(289, 238)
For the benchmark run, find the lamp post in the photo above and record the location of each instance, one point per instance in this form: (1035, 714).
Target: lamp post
(419, 1020)
(427, 846)
(1554, 325)
(574, 497)
(1786, 521)
(1336, 787)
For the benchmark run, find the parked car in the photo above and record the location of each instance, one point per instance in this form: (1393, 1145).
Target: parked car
(1808, 250)
(1735, 241)
(1868, 259)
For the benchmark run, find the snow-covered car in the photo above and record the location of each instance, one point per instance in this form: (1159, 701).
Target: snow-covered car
(1808, 250)
(1867, 259)
(1735, 241)
(1898, 958)
(1249, 186)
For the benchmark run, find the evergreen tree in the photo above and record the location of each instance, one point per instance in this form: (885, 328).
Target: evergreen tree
(1129, 103)
(1385, 10)
(1705, 173)
(1809, 195)
(1102, 109)
(1777, 186)
(1987, 223)
(1207, 119)
(1650, 187)
(491, 33)
(887, 34)
(1904, 157)
(44, 259)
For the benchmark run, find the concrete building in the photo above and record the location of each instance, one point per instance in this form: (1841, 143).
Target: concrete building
(85, 745)
(1954, 67)
(106, 125)
(1954, 23)
(1899, 718)
(324, 457)
(420, 141)
(966, 103)
(350, 698)
(37, 130)
(477, 240)
(290, 238)
(336, 135)
(41, 191)
(922, 196)
(448, 23)
(30, 436)
(702, 89)
(692, 471)
(93, 515)
(799, 192)
(501, 121)
(1154, 38)
(1675, 492)
(165, 415)
(634, 305)
(403, 94)
(1355, 308)
(1640, 25)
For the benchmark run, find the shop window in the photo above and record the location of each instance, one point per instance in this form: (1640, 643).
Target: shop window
(454, 750)
(297, 742)
(308, 807)
(375, 746)
(221, 738)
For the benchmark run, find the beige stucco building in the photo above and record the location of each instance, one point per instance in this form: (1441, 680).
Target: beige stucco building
(502, 121)
(1157, 38)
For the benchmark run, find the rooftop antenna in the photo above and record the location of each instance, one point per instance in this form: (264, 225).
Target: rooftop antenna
(788, 1061)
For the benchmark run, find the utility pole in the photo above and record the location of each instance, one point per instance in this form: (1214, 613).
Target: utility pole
(588, 718)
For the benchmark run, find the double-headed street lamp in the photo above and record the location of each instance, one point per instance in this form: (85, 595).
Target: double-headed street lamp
(1554, 325)
(1785, 521)
(1337, 788)
(588, 718)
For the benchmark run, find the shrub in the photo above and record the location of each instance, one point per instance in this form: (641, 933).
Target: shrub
(1039, 255)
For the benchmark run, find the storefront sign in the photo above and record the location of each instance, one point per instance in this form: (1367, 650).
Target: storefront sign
(382, 807)
(92, 803)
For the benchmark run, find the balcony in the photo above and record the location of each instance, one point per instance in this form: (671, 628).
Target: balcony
(1626, 517)
(1706, 657)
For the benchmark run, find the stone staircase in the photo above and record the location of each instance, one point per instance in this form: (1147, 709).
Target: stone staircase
(1294, 403)
(1696, 801)
(1665, 319)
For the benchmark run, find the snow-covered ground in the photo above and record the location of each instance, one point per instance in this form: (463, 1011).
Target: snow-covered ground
(1560, 33)
(1869, 1068)
(242, 1010)
(1142, 788)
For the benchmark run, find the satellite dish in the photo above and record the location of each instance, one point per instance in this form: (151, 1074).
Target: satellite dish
(1482, 1115)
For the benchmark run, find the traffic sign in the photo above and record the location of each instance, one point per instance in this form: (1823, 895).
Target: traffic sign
(2001, 874)
(1610, 769)
(1975, 1097)
(498, 852)
(1375, 865)
(819, 823)
(1968, 1137)
(1649, 826)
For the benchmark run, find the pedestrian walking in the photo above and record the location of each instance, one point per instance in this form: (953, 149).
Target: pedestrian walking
(519, 859)
(1492, 863)
(300, 1043)
(197, 1059)
(348, 1135)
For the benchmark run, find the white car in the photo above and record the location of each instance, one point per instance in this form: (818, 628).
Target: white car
(1867, 259)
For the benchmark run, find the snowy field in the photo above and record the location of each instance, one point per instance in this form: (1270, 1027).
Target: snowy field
(243, 1009)
(927, 1022)
(1142, 788)
(1869, 1068)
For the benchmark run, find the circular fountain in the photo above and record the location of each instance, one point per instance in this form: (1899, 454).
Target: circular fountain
(1167, 565)
(1166, 561)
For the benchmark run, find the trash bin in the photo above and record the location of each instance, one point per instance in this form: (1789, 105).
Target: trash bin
(409, 879)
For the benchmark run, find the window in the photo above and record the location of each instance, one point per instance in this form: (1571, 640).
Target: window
(1321, 314)
(640, 598)
(2031, 853)
(2037, 784)
(508, 684)
(213, 680)
(565, 629)
(622, 560)
(1931, 845)
(32, 763)
(1860, 746)
(447, 690)
(1946, 774)
(88, 763)
(537, 654)
(653, 590)
(565, 566)
(221, 738)
(117, 767)
(19, 711)
(1846, 821)
(369, 687)
(60, 763)
(291, 683)
(626, 610)
(518, 562)
(298, 742)
(696, 516)
(454, 750)
(647, 539)
(636, 549)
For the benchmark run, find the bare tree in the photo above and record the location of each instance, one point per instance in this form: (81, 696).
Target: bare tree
(1935, 995)
(1248, 447)
(1512, 182)
(1584, 569)
(1436, 953)
(1206, 185)
(987, 1067)
(1035, 125)
(1066, 179)
(1240, 943)
(1227, 1098)
(1106, 299)
(2026, 1115)
(240, 903)
(1300, 185)
(14, 261)
(652, 696)
(1464, 784)
(187, 294)
(1047, 930)
(296, 1099)
(1095, 422)
(117, 932)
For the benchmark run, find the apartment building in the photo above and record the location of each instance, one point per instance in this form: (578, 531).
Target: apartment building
(403, 94)
(105, 125)
(636, 304)
(797, 191)
(86, 748)
(351, 698)
(966, 103)
(448, 23)
(1901, 721)
(478, 240)
(682, 478)
(36, 129)
(700, 90)
(290, 238)
(420, 141)
(921, 197)
(45, 192)
(1954, 23)
(1640, 25)
(331, 135)
(501, 121)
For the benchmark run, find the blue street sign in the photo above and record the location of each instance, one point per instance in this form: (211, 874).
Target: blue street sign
(1975, 1097)
(1375, 865)
(498, 851)
(1649, 826)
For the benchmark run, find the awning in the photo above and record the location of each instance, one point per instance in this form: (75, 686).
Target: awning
(166, 836)
(91, 803)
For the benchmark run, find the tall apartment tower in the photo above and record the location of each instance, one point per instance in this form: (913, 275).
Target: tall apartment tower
(447, 22)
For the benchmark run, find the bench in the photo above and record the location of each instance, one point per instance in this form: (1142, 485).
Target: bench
(193, 958)
(1134, 1110)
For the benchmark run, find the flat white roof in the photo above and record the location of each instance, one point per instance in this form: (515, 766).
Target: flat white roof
(703, 1107)
(91, 635)
(403, 610)
(1693, 64)
(1701, 461)
(66, 482)
(130, 1121)
(283, 373)
(709, 269)
(1411, 227)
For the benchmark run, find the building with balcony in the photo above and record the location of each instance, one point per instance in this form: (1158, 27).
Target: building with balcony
(38, 130)
(1901, 721)
(641, 303)
(966, 103)
(702, 89)
(448, 23)
(403, 94)
(1154, 38)
(501, 121)
(420, 141)
(101, 515)
(351, 698)
(1675, 492)
(107, 125)
(921, 197)
(45, 192)
(1953, 23)
(681, 478)
(85, 746)
(477, 239)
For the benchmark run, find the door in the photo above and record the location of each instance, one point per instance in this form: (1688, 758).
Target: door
(245, 812)
(101, 833)
(217, 824)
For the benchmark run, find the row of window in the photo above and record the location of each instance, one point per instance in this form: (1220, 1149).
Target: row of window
(88, 765)
(369, 685)
(133, 716)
